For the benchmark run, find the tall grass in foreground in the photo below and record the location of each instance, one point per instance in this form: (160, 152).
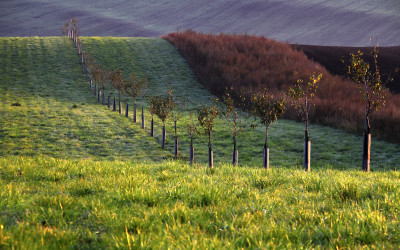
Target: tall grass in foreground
(51, 203)
(242, 61)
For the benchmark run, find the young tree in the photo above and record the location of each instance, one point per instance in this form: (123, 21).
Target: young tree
(84, 62)
(303, 93)
(206, 115)
(153, 107)
(373, 93)
(117, 81)
(192, 129)
(74, 30)
(87, 64)
(267, 109)
(66, 29)
(177, 114)
(104, 83)
(132, 88)
(96, 75)
(235, 122)
(163, 106)
(143, 91)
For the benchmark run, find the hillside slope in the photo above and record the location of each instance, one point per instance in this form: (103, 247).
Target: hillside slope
(59, 117)
(255, 63)
(73, 174)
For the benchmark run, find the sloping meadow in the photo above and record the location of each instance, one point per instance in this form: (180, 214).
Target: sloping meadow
(48, 109)
(74, 174)
(257, 63)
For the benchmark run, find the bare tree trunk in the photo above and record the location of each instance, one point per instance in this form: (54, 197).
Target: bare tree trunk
(235, 154)
(210, 158)
(98, 95)
(114, 104)
(134, 111)
(307, 150)
(164, 135)
(143, 112)
(109, 101)
(210, 153)
(126, 109)
(176, 148)
(95, 88)
(119, 103)
(142, 117)
(176, 135)
(366, 150)
(152, 127)
(191, 155)
(176, 141)
(103, 97)
(91, 84)
(266, 149)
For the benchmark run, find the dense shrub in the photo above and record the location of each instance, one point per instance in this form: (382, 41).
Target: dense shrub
(255, 63)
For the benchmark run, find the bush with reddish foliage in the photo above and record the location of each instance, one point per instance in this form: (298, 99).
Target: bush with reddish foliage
(252, 63)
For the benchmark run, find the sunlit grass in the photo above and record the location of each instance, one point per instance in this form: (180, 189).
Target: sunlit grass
(51, 202)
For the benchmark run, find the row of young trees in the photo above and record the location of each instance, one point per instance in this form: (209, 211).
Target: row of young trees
(265, 107)
(102, 80)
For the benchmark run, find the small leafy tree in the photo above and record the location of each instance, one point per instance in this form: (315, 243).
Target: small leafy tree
(104, 82)
(96, 76)
(267, 109)
(303, 93)
(177, 114)
(66, 29)
(152, 109)
(235, 122)
(144, 91)
(74, 30)
(373, 93)
(163, 106)
(206, 115)
(132, 88)
(85, 63)
(117, 81)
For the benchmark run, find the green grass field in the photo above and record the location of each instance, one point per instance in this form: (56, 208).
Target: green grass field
(76, 175)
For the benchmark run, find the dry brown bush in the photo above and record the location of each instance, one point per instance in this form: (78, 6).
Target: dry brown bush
(254, 63)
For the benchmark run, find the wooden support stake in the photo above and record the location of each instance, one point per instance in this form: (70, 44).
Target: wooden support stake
(366, 156)
(266, 158)
(235, 160)
(307, 156)
(176, 148)
(191, 156)
(210, 159)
